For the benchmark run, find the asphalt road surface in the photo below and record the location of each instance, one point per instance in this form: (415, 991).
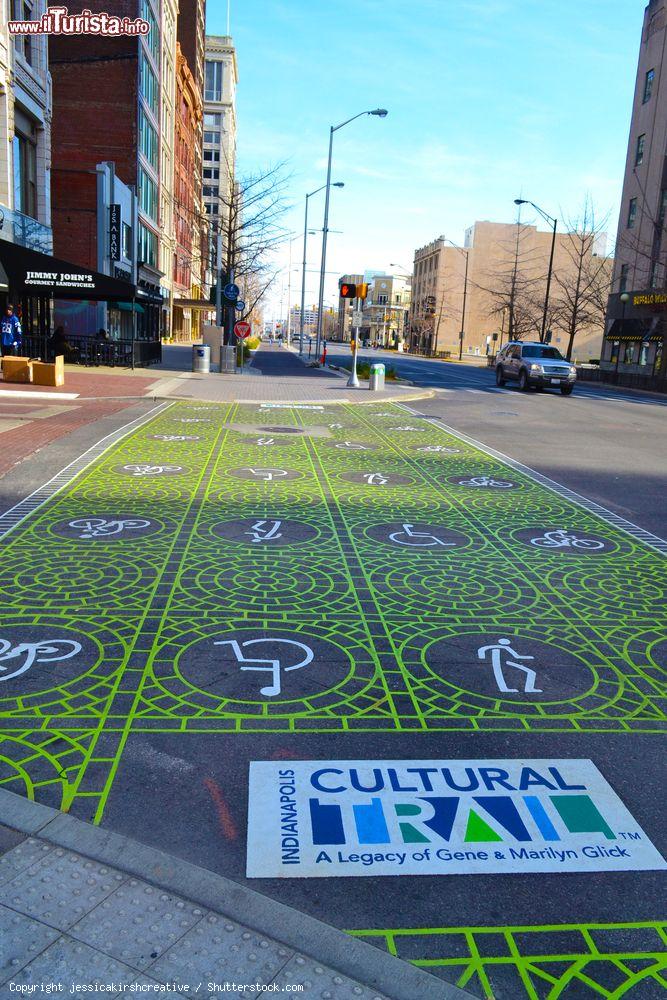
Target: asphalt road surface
(234, 583)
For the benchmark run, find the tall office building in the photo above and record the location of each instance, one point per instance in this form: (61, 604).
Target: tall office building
(167, 161)
(636, 335)
(221, 78)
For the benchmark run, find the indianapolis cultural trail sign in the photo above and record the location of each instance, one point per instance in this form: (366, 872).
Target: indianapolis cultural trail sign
(311, 819)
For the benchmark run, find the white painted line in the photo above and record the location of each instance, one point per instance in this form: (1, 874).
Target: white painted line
(24, 508)
(640, 534)
(24, 394)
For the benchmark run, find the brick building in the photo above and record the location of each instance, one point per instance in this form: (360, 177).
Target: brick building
(106, 97)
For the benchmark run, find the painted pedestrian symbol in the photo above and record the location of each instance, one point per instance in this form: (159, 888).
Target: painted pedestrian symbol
(27, 653)
(265, 531)
(266, 441)
(144, 469)
(417, 539)
(97, 527)
(272, 666)
(487, 482)
(501, 649)
(562, 539)
(375, 478)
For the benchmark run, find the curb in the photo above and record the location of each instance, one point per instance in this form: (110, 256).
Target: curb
(302, 933)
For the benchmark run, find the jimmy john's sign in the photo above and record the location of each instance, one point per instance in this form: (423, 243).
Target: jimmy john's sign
(60, 279)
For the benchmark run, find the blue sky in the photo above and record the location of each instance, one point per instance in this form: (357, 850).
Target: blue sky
(488, 100)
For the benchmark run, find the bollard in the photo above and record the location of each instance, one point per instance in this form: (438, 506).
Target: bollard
(376, 382)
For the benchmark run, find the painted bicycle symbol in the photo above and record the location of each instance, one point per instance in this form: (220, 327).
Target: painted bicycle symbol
(502, 650)
(27, 653)
(98, 527)
(138, 471)
(265, 531)
(439, 449)
(418, 539)
(562, 539)
(487, 482)
(175, 437)
(272, 666)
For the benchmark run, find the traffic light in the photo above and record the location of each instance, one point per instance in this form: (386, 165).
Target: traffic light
(362, 291)
(347, 291)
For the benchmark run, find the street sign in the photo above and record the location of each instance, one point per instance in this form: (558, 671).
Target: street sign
(242, 329)
(231, 292)
(357, 318)
(240, 305)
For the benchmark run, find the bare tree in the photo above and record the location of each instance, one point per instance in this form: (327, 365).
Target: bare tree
(584, 282)
(514, 286)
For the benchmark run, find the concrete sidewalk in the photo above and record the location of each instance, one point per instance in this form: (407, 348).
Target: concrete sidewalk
(277, 375)
(82, 906)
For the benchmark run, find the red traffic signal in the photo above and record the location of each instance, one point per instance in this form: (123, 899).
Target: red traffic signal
(347, 291)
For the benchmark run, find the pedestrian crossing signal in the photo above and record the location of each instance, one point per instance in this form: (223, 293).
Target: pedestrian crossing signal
(347, 291)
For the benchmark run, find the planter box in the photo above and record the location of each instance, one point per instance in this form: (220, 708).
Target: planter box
(16, 369)
(49, 374)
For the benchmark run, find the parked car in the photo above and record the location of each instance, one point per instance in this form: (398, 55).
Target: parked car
(535, 365)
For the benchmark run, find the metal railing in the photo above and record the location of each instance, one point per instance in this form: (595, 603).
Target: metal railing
(89, 351)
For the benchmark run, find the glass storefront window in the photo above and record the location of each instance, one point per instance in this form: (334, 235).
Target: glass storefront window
(629, 353)
(613, 357)
(657, 363)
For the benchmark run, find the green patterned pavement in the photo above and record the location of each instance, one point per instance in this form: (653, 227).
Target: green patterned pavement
(541, 963)
(394, 616)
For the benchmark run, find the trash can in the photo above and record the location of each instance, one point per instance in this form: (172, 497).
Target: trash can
(376, 382)
(201, 358)
(228, 360)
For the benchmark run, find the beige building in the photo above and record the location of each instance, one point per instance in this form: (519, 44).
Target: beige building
(25, 133)
(636, 337)
(504, 292)
(386, 310)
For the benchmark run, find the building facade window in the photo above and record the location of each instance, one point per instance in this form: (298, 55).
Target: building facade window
(213, 120)
(613, 357)
(213, 85)
(629, 354)
(147, 195)
(643, 353)
(147, 249)
(127, 241)
(623, 280)
(211, 136)
(639, 151)
(22, 10)
(657, 364)
(153, 37)
(648, 85)
(632, 213)
(212, 156)
(149, 85)
(211, 174)
(25, 173)
(148, 144)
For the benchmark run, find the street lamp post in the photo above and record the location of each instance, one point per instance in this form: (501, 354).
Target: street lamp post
(336, 184)
(550, 219)
(378, 113)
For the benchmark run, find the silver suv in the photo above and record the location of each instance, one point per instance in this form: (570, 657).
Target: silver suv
(535, 365)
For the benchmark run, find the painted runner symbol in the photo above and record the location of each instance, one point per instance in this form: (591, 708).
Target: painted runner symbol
(261, 533)
(272, 666)
(498, 650)
(375, 478)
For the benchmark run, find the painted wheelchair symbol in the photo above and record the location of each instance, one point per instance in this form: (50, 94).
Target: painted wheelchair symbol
(503, 649)
(27, 653)
(98, 527)
(487, 482)
(562, 539)
(140, 470)
(417, 539)
(272, 666)
(265, 531)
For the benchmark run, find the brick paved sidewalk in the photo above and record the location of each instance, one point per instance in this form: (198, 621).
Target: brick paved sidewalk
(111, 911)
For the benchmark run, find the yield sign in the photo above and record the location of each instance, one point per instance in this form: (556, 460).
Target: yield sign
(242, 329)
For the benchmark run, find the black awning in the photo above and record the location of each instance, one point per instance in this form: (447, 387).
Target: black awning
(634, 329)
(32, 273)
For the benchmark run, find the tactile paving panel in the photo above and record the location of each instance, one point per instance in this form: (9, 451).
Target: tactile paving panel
(219, 950)
(319, 981)
(137, 923)
(60, 889)
(21, 941)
